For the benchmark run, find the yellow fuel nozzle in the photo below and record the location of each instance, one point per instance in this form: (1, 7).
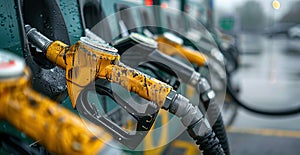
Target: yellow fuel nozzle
(58, 129)
(164, 44)
(88, 59)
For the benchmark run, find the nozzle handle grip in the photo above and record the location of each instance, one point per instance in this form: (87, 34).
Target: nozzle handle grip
(138, 82)
(194, 56)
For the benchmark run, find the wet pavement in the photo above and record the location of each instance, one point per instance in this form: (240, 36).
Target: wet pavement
(269, 79)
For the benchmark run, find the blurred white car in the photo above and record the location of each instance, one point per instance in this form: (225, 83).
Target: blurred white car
(294, 32)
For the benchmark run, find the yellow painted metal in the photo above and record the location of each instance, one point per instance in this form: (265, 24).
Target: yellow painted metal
(138, 82)
(84, 63)
(58, 53)
(188, 147)
(58, 129)
(171, 48)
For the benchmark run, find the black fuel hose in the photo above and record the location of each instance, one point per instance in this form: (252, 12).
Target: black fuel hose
(218, 127)
(210, 144)
(221, 134)
(285, 112)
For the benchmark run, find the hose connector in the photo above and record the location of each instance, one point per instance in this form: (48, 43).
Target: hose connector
(197, 126)
(207, 94)
(37, 39)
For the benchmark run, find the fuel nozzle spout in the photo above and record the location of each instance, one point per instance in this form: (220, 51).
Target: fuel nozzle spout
(37, 39)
